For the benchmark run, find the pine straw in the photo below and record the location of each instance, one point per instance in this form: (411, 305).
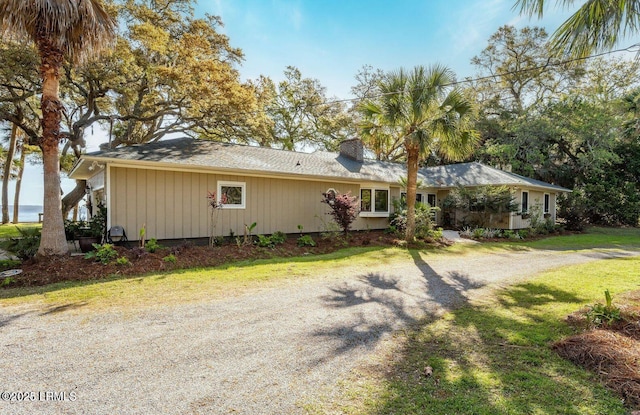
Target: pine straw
(613, 353)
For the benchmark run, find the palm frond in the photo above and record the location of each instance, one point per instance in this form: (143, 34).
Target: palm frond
(79, 28)
(596, 26)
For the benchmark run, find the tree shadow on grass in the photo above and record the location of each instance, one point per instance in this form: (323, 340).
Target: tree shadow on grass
(493, 359)
(16, 292)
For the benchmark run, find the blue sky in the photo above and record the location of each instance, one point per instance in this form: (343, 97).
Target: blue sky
(330, 40)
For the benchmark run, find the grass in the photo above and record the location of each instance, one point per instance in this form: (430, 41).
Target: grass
(161, 289)
(9, 230)
(487, 358)
(494, 357)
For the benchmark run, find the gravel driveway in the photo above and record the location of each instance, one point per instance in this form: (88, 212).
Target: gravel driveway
(264, 352)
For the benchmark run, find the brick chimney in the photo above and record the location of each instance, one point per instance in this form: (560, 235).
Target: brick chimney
(353, 149)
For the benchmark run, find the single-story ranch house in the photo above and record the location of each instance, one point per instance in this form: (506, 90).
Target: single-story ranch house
(164, 186)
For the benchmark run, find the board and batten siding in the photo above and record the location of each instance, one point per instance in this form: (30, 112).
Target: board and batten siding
(536, 204)
(174, 205)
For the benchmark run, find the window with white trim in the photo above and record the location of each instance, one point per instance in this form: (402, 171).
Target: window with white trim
(547, 203)
(525, 202)
(374, 202)
(232, 194)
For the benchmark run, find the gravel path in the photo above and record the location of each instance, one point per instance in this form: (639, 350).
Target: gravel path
(265, 352)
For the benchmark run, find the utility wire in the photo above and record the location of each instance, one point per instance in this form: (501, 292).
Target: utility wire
(633, 48)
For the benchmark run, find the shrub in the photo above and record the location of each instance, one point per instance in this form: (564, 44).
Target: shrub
(481, 204)
(8, 264)
(6, 281)
(152, 245)
(306, 240)
(103, 253)
(123, 260)
(606, 314)
(170, 258)
(264, 242)
(492, 233)
(424, 221)
(25, 246)
(573, 209)
(467, 232)
(344, 208)
(276, 238)
(508, 233)
(478, 233)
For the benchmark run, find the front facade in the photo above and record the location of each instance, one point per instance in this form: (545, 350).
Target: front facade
(164, 187)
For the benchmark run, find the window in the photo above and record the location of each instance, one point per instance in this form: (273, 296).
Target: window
(431, 199)
(365, 200)
(547, 202)
(403, 197)
(374, 202)
(525, 202)
(382, 201)
(232, 194)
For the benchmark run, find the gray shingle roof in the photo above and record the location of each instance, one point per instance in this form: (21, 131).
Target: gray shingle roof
(323, 165)
(477, 174)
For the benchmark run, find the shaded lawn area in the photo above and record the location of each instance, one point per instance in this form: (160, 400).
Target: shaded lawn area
(495, 356)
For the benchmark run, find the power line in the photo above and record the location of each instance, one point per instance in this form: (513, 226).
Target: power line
(633, 48)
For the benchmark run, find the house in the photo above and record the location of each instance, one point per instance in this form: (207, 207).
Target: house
(164, 186)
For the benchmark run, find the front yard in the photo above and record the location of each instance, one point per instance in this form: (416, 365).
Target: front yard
(488, 350)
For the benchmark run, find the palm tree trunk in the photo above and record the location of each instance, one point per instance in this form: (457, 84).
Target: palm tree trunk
(7, 173)
(413, 153)
(53, 241)
(16, 197)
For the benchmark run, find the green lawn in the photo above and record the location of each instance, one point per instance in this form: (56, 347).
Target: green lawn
(488, 358)
(198, 284)
(9, 229)
(494, 357)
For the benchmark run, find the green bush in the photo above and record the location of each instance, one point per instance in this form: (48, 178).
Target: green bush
(25, 246)
(306, 240)
(170, 258)
(152, 245)
(424, 219)
(264, 242)
(604, 314)
(6, 264)
(478, 233)
(277, 238)
(103, 253)
(123, 260)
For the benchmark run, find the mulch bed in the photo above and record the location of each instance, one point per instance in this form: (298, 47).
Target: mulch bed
(612, 352)
(76, 268)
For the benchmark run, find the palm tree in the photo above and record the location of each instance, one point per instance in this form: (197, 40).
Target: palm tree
(71, 29)
(594, 27)
(428, 114)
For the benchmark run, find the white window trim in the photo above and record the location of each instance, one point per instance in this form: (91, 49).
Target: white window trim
(546, 211)
(242, 185)
(374, 214)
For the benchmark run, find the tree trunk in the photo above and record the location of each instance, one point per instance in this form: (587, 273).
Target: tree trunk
(413, 153)
(7, 173)
(16, 197)
(53, 241)
(74, 197)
